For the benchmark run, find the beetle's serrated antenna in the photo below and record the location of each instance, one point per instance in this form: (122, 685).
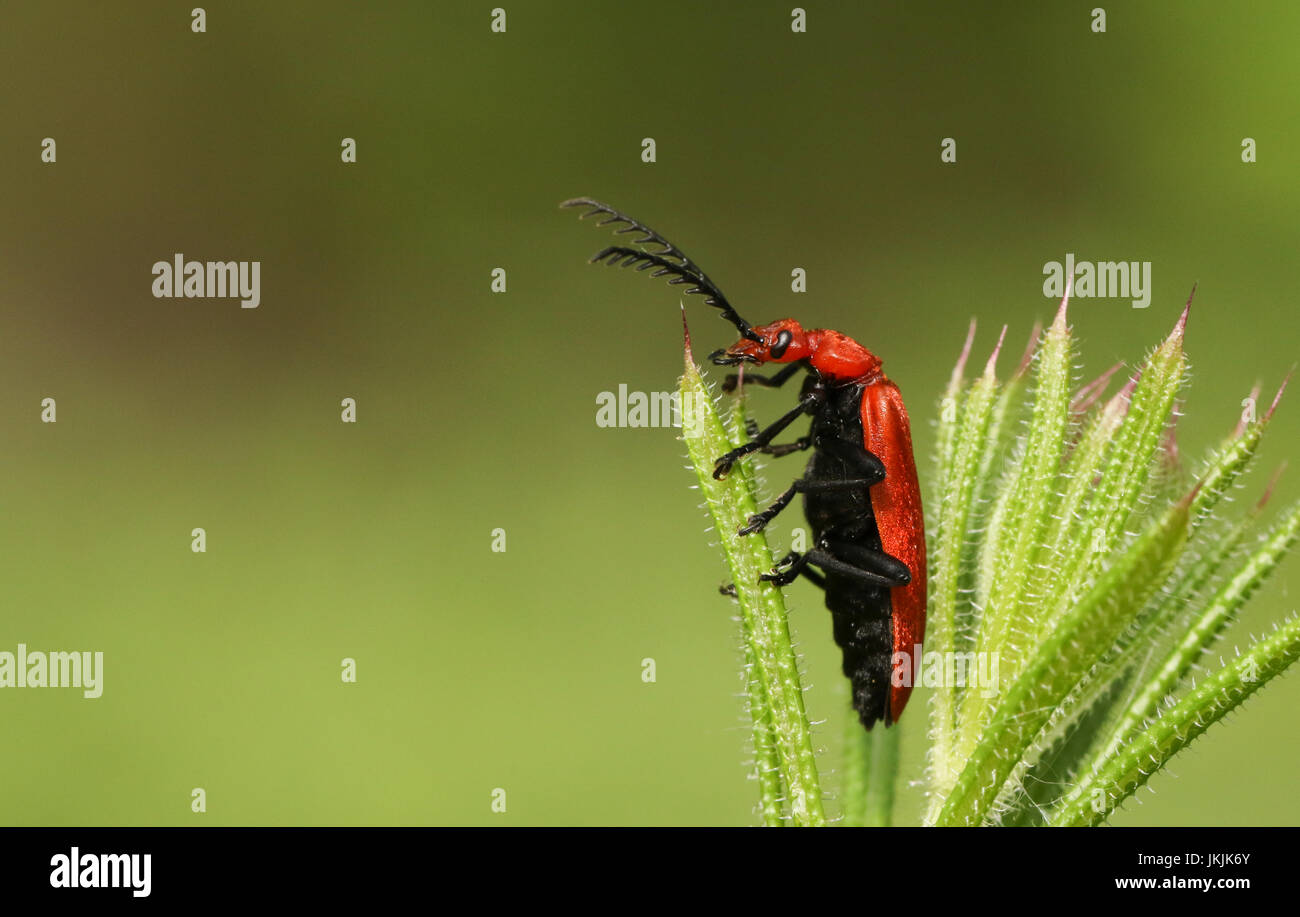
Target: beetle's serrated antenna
(647, 234)
(670, 261)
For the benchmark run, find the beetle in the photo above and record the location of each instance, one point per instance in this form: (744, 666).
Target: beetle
(860, 491)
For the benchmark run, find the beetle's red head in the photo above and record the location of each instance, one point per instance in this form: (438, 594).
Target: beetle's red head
(780, 342)
(835, 356)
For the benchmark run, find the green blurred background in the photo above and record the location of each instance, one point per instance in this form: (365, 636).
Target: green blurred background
(326, 540)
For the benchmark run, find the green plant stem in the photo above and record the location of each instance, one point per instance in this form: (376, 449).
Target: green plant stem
(871, 765)
(779, 693)
(767, 760)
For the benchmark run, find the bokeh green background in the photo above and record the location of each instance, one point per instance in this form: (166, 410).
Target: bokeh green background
(477, 410)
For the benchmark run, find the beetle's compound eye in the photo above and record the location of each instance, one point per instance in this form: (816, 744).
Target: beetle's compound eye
(782, 342)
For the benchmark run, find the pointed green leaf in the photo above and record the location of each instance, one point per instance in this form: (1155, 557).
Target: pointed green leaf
(779, 693)
(1059, 664)
(1149, 749)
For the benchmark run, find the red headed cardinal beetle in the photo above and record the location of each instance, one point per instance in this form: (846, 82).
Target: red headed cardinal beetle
(860, 491)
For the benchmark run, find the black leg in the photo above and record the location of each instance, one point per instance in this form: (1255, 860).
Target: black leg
(889, 568)
(865, 462)
(795, 564)
(731, 382)
(806, 572)
(861, 460)
(814, 577)
(759, 442)
(801, 486)
(802, 444)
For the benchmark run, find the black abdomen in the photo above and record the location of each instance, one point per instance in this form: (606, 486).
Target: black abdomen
(860, 612)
